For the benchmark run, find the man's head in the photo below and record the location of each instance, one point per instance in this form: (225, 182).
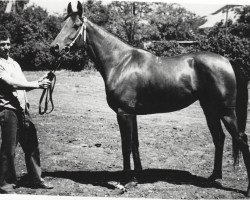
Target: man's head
(4, 42)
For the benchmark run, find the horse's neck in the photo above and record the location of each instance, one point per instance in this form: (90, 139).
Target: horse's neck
(106, 50)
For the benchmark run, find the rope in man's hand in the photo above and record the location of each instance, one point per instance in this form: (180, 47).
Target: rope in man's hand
(47, 93)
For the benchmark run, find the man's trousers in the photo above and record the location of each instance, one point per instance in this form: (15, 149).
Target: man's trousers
(17, 127)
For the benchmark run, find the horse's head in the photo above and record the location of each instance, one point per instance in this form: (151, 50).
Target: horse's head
(70, 32)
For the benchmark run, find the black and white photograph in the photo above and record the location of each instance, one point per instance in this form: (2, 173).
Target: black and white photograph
(127, 99)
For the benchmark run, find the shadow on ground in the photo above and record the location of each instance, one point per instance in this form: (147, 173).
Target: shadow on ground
(102, 178)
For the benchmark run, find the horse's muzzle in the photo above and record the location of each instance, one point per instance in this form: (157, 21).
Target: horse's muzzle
(54, 50)
(66, 49)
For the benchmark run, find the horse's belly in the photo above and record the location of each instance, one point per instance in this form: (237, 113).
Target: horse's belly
(150, 104)
(165, 104)
(159, 96)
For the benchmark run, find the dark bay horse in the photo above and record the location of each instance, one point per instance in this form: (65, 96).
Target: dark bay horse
(138, 82)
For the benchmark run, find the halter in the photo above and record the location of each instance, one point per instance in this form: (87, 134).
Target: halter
(81, 32)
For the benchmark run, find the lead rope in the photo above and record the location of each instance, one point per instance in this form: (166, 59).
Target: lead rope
(48, 92)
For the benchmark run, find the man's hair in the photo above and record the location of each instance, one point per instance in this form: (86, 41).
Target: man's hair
(4, 33)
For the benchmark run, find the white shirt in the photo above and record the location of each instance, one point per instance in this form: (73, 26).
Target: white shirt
(12, 69)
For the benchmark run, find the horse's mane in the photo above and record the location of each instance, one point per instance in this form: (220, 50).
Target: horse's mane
(110, 35)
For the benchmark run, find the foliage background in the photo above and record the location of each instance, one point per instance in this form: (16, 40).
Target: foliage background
(158, 25)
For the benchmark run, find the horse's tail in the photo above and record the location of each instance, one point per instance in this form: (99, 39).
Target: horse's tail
(241, 107)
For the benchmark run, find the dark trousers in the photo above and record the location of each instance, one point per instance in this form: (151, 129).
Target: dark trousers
(18, 127)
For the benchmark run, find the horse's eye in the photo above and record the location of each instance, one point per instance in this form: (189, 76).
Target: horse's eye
(75, 26)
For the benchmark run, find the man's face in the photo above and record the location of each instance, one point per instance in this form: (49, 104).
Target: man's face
(4, 48)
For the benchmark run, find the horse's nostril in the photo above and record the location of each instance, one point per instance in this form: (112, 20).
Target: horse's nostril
(66, 49)
(54, 49)
(57, 47)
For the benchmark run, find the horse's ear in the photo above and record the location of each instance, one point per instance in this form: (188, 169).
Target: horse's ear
(69, 9)
(79, 8)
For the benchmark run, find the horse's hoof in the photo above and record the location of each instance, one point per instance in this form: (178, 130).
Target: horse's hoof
(120, 189)
(218, 183)
(214, 177)
(131, 184)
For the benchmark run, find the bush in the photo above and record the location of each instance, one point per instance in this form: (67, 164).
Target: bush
(234, 47)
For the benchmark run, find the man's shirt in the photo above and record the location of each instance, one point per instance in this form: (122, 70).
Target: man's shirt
(10, 97)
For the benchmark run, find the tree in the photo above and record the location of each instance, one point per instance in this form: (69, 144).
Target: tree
(242, 28)
(31, 36)
(128, 20)
(3, 5)
(96, 12)
(235, 45)
(174, 22)
(15, 6)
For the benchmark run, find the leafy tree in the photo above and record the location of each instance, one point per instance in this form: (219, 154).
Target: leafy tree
(242, 28)
(174, 22)
(234, 45)
(31, 37)
(96, 12)
(3, 5)
(128, 20)
(19, 5)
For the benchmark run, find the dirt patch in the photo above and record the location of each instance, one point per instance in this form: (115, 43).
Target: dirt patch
(81, 147)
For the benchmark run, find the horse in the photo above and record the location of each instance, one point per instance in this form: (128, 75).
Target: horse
(139, 83)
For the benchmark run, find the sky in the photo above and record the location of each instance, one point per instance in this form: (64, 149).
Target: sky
(201, 9)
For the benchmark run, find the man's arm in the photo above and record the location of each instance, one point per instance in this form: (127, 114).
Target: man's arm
(23, 85)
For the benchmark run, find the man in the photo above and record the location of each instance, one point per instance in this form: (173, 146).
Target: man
(15, 122)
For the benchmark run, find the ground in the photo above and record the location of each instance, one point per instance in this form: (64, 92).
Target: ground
(81, 147)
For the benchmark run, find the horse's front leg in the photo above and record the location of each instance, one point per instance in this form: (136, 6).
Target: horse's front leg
(125, 125)
(135, 147)
(129, 137)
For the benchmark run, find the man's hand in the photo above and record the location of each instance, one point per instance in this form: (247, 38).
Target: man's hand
(49, 75)
(44, 83)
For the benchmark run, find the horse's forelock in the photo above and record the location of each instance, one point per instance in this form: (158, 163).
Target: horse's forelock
(72, 14)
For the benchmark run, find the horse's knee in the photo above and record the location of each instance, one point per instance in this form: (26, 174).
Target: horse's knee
(243, 137)
(242, 140)
(127, 150)
(220, 139)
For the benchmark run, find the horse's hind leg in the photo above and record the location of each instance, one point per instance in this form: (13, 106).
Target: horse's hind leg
(214, 125)
(239, 140)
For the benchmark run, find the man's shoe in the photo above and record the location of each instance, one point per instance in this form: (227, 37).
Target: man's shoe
(42, 185)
